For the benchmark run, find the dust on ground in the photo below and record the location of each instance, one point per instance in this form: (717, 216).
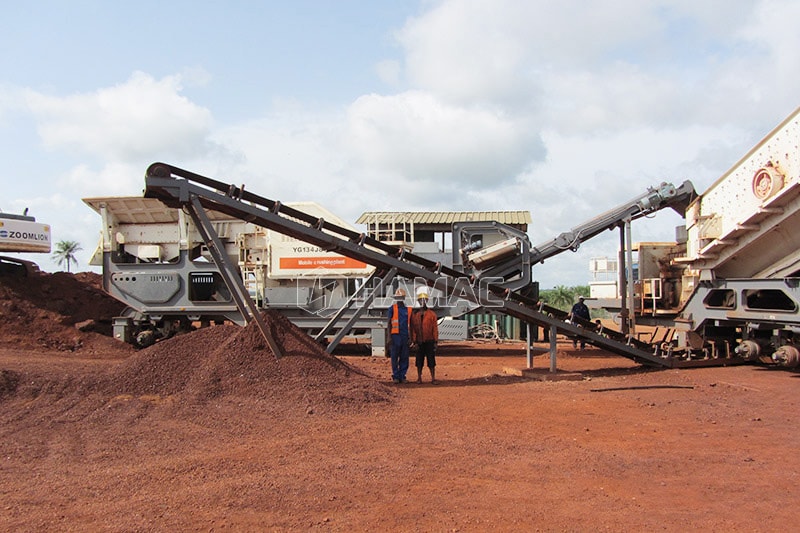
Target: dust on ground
(209, 431)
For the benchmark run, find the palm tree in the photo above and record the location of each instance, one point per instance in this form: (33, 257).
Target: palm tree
(560, 297)
(65, 252)
(582, 290)
(563, 297)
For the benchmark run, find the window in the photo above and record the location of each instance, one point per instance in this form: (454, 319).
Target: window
(721, 299)
(768, 299)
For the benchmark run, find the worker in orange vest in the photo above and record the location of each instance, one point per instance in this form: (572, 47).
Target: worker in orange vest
(425, 334)
(399, 320)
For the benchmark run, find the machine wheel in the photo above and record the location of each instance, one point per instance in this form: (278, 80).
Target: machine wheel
(146, 338)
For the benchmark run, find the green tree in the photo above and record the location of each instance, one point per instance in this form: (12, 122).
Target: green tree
(560, 297)
(65, 253)
(581, 290)
(563, 297)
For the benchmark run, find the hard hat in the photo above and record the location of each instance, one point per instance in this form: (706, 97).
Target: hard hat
(422, 296)
(400, 293)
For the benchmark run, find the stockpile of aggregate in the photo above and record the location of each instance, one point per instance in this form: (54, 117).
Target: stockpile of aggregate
(227, 361)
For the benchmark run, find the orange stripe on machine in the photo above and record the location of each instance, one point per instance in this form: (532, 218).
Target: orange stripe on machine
(320, 262)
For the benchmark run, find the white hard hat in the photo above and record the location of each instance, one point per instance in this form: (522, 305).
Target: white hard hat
(400, 293)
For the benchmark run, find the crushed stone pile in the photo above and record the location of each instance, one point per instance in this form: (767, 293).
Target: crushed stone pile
(229, 361)
(60, 311)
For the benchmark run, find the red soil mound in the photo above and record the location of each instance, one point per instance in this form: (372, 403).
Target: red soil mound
(228, 361)
(61, 311)
(44, 311)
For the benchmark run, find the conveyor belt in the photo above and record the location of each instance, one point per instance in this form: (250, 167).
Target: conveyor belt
(178, 188)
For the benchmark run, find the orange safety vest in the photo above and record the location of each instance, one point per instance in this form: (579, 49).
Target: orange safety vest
(396, 320)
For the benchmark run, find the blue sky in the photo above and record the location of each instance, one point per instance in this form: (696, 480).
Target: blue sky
(562, 108)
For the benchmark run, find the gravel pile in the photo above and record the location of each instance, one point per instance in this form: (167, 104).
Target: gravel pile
(229, 361)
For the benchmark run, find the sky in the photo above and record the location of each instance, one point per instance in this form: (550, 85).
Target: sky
(562, 108)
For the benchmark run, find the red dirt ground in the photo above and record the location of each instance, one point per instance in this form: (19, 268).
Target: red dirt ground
(208, 431)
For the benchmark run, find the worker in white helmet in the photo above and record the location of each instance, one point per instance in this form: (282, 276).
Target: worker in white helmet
(399, 336)
(425, 334)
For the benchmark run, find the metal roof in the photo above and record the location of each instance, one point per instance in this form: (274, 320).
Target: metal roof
(445, 217)
(135, 209)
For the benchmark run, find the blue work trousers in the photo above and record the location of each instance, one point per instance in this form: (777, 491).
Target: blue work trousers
(399, 355)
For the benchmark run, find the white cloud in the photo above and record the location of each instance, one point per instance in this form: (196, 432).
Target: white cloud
(463, 51)
(113, 178)
(389, 72)
(285, 155)
(500, 51)
(583, 64)
(417, 137)
(7, 101)
(138, 118)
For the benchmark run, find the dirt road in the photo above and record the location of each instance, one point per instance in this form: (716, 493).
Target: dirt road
(482, 450)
